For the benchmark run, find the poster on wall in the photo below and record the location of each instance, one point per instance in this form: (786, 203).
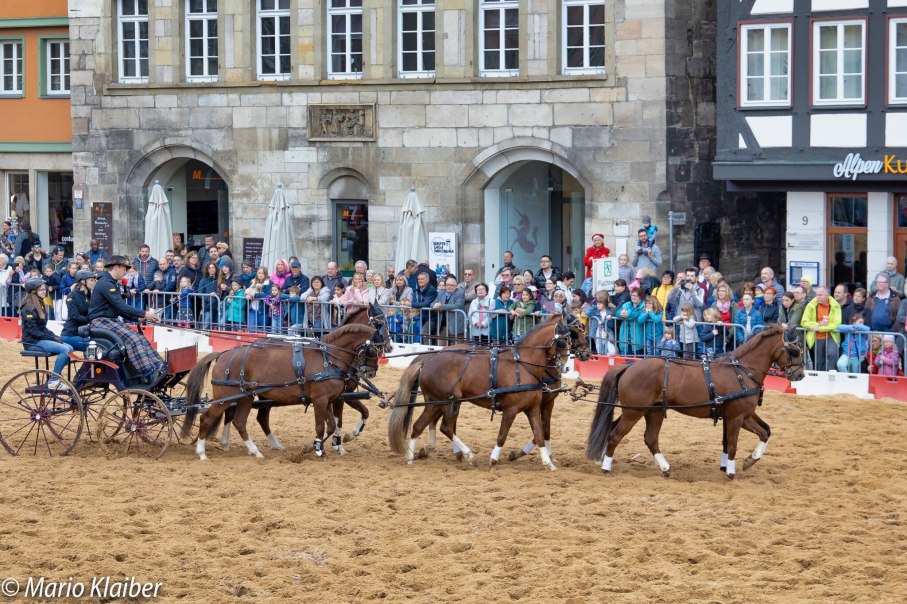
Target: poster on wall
(102, 224)
(252, 248)
(797, 270)
(525, 225)
(604, 274)
(442, 253)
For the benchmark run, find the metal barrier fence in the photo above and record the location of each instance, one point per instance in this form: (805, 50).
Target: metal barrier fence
(855, 350)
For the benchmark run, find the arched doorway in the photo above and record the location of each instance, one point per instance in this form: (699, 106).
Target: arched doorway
(199, 200)
(533, 208)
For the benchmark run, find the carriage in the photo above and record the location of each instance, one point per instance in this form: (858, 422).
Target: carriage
(43, 413)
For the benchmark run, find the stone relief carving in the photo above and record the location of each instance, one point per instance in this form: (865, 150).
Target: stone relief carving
(341, 122)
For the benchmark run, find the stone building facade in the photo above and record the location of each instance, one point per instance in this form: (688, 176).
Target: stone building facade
(528, 148)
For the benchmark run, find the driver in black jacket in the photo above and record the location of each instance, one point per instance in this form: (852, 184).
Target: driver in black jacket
(77, 306)
(107, 306)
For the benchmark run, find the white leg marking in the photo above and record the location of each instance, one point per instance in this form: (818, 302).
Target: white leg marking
(496, 454)
(225, 437)
(529, 447)
(607, 462)
(433, 438)
(760, 450)
(662, 462)
(548, 448)
(731, 467)
(275, 444)
(724, 460)
(411, 451)
(253, 450)
(200, 450)
(462, 446)
(358, 429)
(546, 459)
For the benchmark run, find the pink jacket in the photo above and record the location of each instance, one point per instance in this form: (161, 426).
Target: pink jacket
(279, 278)
(887, 360)
(355, 296)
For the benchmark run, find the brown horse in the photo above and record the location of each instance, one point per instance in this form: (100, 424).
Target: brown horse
(268, 369)
(578, 347)
(358, 315)
(524, 376)
(649, 386)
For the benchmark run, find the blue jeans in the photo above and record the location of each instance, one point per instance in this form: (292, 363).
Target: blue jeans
(58, 348)
(76, 342)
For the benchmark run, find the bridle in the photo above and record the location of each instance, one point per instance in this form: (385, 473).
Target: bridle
(790, 348)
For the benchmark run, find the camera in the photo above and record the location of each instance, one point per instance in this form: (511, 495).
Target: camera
(640, 251)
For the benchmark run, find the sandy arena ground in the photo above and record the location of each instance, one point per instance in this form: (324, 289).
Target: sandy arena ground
(820, 519)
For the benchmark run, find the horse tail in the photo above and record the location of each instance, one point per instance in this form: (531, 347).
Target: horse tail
(402, 415)
(603, 420)
(194, 383)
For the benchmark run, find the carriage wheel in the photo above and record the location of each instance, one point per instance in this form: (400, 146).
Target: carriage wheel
(134, 422)
(38, 420)
(93, 397)
(177, 398)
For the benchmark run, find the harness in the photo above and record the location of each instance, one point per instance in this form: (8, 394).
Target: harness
(717, 400)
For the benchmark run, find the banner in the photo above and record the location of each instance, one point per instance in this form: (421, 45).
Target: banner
(442, 254)
(604, 274)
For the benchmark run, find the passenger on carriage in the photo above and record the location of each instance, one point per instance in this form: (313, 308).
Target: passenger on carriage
(35, 335)
(107, 305)
(77, 305)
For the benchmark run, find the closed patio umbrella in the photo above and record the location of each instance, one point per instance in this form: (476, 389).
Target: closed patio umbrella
(280, 239)
(158, 229)
(412, 237)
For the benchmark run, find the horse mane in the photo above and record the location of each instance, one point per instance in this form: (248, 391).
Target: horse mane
(752, 343)
(353, 328)
(348, 317)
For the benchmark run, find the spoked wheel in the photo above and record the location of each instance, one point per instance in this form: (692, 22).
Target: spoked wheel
(175, 398)
(93, 397)
(134, 422)
(40, 414)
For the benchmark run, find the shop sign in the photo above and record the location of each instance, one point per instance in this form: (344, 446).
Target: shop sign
(855, 166)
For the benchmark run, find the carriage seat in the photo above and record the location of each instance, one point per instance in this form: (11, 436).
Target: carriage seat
(114, 348)
(38, 354)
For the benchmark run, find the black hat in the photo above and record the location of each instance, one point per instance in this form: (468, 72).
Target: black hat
(705, 256)
(33, 284)
(117, 261)
(84, 274)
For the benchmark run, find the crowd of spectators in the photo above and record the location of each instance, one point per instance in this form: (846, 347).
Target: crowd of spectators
(650, 311)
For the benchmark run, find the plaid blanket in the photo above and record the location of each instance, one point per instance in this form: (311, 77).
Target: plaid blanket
(139, 352)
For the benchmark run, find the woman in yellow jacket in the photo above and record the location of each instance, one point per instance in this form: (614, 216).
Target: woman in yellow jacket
(821, 320)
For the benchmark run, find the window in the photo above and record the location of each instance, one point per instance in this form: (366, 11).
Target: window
(201, 40)
(132, 23)
(416, 41)
(56, 54)
(847, 239)
(273, 39)
(11, 68)
(499, 38)
(765, 65)
(897, 61)
(839, 62)
(344, 38)
(584, 36)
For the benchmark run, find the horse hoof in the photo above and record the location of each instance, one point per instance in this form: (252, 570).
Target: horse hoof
(731, 476)
(458, 455)
(349, 436)
(409, 462)
(492, 464)
(723, 468)
(748, 462)
(551, 467)
(307, 448)
(666, 473)
(515, 455)
(422, 454)
(203, 458)
(606, 472)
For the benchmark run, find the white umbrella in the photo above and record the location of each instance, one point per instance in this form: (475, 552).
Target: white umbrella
(158, 229)
(280, 240)
(412, 238)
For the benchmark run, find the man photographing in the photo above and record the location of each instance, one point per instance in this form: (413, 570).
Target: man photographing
(107, 305)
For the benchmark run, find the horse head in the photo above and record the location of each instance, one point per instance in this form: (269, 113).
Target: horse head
(378, 320)
(793, 359)
(571, 328)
